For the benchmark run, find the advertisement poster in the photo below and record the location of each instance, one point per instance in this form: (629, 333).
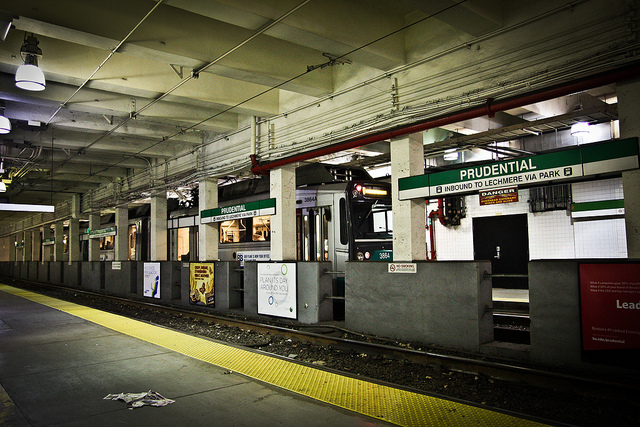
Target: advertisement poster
(610, 306)
(277, 290)
(201, 283)
(151, 280)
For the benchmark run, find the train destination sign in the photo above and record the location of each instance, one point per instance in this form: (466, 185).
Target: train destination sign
(571, 164)
(243, 210)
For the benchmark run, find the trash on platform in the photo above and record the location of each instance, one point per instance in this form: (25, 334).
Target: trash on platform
(136, 400)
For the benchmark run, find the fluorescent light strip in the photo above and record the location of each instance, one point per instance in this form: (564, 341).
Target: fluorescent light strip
(25, 208)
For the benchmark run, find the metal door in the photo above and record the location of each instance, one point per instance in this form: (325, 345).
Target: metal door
(313, 235)
(504, 241)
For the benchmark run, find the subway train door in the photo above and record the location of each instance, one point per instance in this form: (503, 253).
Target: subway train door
(504, 241)
(312, 234)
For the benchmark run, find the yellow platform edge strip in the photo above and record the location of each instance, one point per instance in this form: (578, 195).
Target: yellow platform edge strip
(378, 401)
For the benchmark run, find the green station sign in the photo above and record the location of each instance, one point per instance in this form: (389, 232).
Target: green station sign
(244, 210)
(570, 164)
(102, 232)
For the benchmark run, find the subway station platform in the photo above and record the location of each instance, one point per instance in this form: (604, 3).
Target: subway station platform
(58, 360)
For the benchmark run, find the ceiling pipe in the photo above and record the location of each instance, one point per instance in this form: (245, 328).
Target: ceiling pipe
(489, 108)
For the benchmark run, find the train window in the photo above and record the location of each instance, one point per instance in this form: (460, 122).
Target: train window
(233, 231)
(344, 233)
(325, 233)
(318, 240)
(132, 242)
(106, 243)
(307, 232)
(183, 242)
(364, 219)
(383, 222)
(261, 228)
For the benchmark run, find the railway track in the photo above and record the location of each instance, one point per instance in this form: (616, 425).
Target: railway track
(339, 338)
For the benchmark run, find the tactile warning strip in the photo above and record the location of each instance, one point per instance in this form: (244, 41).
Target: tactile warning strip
(382, 402)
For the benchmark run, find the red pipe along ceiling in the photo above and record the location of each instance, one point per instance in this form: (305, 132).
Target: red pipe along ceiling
(489, 108)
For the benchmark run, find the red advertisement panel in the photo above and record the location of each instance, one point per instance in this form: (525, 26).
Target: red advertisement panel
(610, 298)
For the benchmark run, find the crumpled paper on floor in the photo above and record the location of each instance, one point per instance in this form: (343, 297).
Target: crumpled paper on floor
(136, 400)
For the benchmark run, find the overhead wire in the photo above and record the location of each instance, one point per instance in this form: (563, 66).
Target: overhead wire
(193, 75)
(270, 89)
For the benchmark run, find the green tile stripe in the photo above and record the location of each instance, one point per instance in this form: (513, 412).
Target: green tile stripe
(596, 206)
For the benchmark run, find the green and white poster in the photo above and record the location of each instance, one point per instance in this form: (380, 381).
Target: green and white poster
(277, 294)
(151, 281)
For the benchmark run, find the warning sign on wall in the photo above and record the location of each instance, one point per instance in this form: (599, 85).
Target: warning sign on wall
(499, 195)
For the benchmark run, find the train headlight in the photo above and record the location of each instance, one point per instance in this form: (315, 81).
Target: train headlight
(360, 256)
(367, 255)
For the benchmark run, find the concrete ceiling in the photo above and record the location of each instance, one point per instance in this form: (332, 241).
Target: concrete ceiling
(131, 83)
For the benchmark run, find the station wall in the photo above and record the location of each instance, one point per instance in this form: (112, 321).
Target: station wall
(552, 234)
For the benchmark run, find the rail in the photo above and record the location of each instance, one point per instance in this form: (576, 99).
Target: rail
(360, 343)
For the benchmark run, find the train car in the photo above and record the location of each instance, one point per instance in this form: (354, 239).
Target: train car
(138, 239)
(342, 214)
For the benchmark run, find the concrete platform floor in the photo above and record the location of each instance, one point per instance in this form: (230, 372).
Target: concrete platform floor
(58, 360)
(55, 369)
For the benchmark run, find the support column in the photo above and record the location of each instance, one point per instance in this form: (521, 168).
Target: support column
(159, 247)
(94, 244)
(74, 240)
(628, 104)
(121, 246)
(283, 224)
(208, 234)
(26, 250)
(36, 245)
(58, 251)
(47, 251)
(409, 217)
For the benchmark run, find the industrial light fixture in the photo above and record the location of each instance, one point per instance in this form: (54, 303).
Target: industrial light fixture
(6, 20)
(17, 207)
(451, 154)
(579, 127)
(5, 124)
(29, 76)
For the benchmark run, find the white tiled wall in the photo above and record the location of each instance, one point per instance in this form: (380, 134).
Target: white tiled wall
(601, 239)
(551, 234)
(593, 191)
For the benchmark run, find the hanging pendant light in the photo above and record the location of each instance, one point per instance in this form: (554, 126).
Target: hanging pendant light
(29, 76)
(5, 124)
